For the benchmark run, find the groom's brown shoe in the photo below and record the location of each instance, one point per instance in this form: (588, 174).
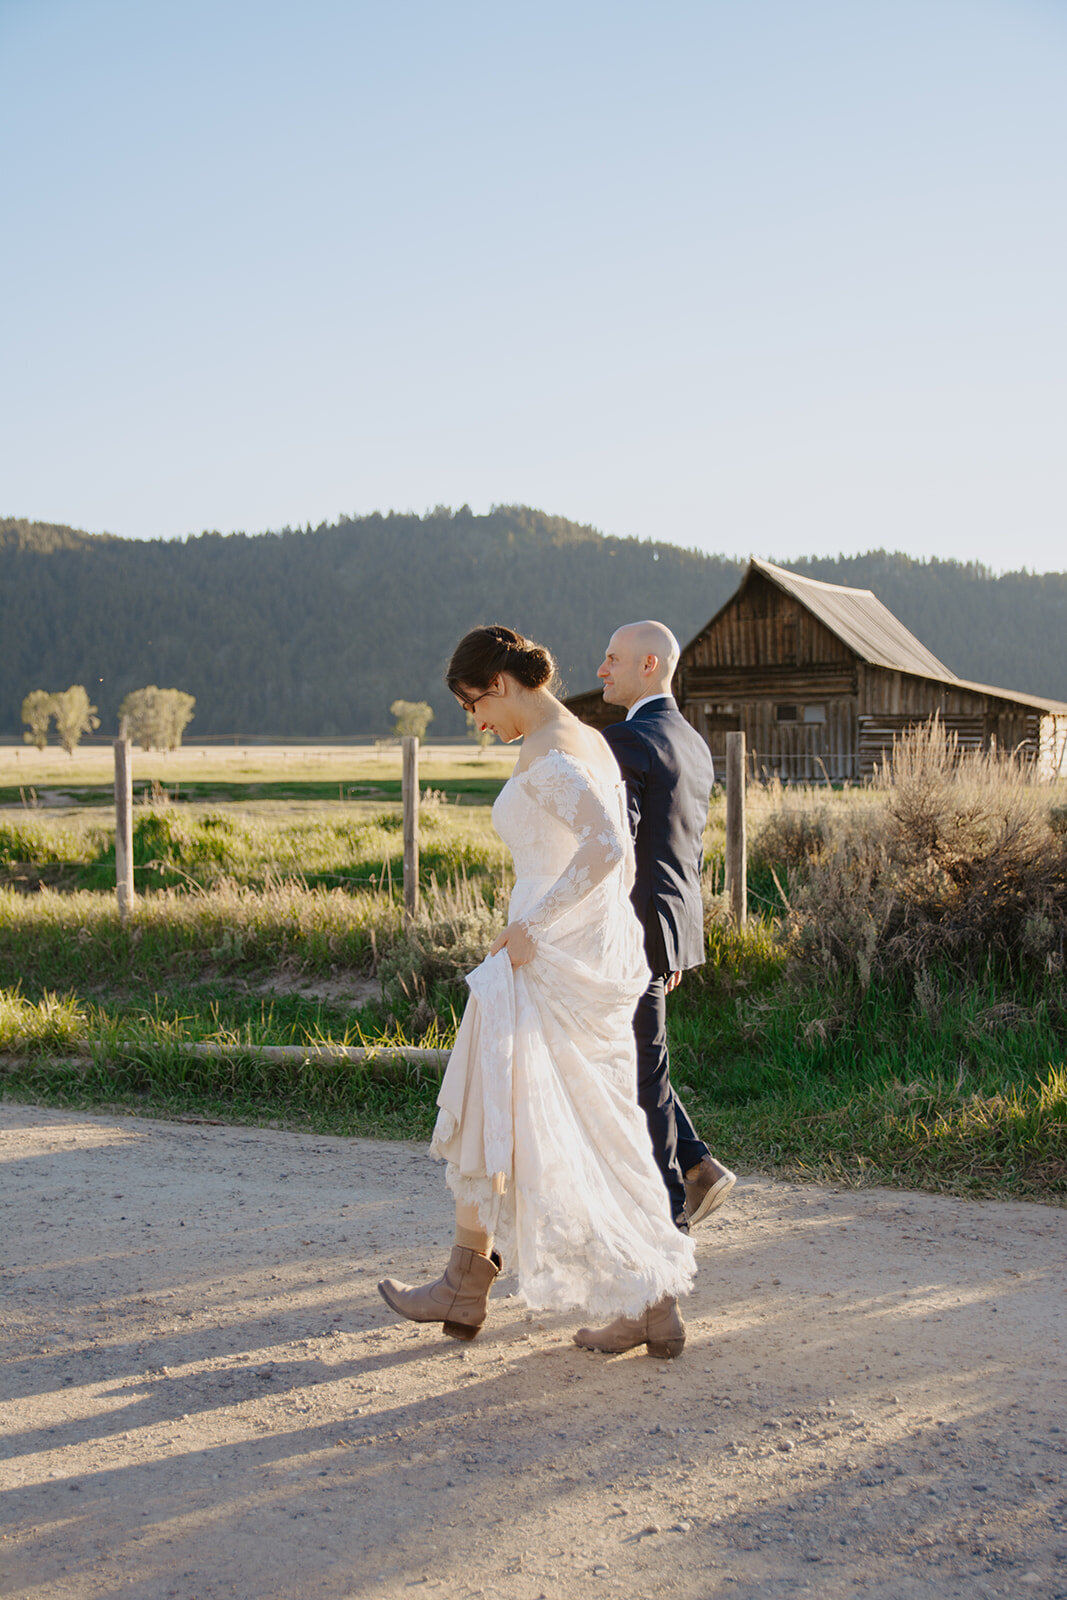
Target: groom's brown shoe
(706, 1187)
(659, 1327)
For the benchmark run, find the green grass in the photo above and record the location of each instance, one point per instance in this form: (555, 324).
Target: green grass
(75, 942)
(302, 830)
(358, 846)
(474, 788)
(153, 1079)
(958, 1088)
(242, 775)
(288, 965)
(183, 1014)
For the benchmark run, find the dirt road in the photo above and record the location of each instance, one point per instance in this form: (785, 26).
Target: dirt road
(205, 1397)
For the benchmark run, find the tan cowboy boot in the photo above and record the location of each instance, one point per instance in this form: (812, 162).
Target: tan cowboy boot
(659, 1327)
(458, 1299)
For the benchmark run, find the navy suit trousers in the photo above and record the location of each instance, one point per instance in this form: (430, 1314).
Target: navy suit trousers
(674, 1141)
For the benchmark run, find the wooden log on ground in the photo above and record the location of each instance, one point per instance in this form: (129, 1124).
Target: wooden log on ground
(293, 1054)
(385, 1057)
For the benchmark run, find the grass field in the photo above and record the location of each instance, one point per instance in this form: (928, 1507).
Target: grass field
(836, 1037)
(315, 815)
(247, 773)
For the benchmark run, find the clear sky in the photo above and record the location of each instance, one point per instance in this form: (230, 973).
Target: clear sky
(758, 276)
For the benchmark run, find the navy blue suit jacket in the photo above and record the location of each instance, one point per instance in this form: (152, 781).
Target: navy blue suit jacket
(669, 773)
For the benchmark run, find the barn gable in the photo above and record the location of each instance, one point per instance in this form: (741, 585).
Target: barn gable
(858, 619)
(758, 626)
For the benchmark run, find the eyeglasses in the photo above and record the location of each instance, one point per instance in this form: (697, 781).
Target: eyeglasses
(469, 705)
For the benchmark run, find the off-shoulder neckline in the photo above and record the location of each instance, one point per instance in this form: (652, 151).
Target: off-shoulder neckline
(564, 755)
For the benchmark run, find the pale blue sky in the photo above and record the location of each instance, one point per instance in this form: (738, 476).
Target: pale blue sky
(762, 276)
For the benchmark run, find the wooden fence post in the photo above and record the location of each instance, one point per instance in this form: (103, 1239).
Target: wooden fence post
(411, 827)
(736, 848)
(123, 828)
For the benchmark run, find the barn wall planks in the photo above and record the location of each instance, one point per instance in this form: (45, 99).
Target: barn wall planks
(812, 710)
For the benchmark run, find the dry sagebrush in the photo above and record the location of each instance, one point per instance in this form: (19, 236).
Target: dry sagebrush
(955, 858)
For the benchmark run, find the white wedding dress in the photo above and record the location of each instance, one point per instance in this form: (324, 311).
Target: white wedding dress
(538, 1116)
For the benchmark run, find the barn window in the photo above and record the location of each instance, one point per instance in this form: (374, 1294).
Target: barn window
(785, 713)
(814, 713)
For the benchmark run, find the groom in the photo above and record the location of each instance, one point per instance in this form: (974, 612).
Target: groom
(668, 772)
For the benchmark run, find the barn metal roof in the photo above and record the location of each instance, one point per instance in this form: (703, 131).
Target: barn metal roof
(859, 618)
(1056, 707)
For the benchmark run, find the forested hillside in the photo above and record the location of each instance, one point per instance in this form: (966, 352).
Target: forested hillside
(315, 632)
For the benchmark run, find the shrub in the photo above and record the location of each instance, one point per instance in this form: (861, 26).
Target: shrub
(36, 844)
(170, 850)
(961, 863)
(422, 973)
(52, 1023)
(794, 828)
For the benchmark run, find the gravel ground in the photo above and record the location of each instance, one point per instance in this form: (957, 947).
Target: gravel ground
(204, 1396)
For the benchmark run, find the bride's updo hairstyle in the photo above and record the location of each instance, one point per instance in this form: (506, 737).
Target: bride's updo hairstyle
(484, 652)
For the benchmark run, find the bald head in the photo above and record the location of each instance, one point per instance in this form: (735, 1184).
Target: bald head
(639, 661)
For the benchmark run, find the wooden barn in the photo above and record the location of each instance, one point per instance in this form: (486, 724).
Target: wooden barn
(822, 679)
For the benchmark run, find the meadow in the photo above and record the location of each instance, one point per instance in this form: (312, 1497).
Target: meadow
(894, 1012)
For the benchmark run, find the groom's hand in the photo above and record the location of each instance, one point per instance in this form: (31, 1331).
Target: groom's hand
(520, 947)
(672, 982)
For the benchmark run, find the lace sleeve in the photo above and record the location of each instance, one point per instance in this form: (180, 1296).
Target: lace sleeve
(563, 788)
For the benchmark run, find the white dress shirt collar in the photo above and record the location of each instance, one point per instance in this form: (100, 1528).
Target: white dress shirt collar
(647, 700)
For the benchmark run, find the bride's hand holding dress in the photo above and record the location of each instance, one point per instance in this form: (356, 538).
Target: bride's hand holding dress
(516, 940)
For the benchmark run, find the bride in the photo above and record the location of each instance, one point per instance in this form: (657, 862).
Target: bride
(548, 1153)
